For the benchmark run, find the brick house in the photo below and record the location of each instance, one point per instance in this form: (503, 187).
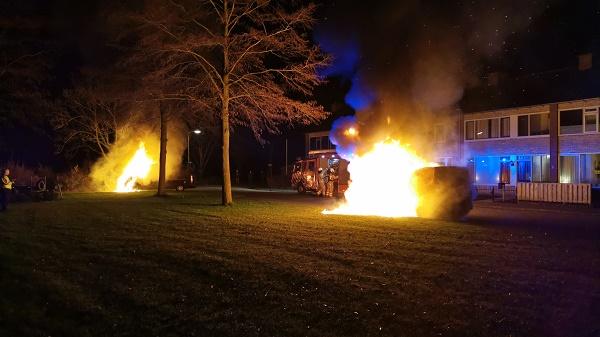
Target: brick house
(556, 142)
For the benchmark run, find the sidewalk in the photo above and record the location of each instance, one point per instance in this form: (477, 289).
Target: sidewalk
(536, 206)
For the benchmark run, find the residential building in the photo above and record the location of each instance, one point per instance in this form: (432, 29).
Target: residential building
(319, 145)
(556, 142)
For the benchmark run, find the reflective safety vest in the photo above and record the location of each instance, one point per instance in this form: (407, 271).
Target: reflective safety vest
(6, 183)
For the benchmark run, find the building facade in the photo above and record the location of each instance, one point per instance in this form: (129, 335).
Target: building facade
(558, 142)
(318, 144)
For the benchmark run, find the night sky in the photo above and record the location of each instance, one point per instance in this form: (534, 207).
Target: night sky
(437, 54)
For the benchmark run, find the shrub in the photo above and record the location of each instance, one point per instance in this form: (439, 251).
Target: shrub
(75, 180)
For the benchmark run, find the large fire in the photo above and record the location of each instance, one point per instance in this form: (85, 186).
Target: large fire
(136, 169)
(382, 182)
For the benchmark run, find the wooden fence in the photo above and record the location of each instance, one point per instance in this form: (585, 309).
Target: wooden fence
(555, 192)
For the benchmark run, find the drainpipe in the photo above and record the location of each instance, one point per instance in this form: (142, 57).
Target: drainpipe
(554, 143)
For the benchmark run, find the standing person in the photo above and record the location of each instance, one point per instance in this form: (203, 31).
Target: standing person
(320, 182)
(5, 189)
(331, 179)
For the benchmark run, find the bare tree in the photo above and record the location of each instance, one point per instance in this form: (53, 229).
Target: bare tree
(249, 62)
(88, 119)
(162, 172)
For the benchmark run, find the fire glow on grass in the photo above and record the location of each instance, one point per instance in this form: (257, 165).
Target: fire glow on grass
(382, 182)
(136, 169)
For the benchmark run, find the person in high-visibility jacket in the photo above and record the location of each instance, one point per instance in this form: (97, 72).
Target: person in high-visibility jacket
(331, 179)
(5, 189)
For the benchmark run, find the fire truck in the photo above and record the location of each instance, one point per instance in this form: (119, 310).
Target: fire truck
(305, 173)
(321, 153)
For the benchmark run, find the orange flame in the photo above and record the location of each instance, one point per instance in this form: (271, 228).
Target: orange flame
(136, 169)
(382, 182)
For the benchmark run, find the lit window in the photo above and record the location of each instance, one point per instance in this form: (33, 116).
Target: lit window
(539, 124)
(505, 127)
(482, 130)
(494, 128)
(591, 121)
(568, 168)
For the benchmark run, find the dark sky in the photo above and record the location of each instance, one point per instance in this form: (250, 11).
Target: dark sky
(392, 38)
(432, 51)
(436, 54)
(410, 48)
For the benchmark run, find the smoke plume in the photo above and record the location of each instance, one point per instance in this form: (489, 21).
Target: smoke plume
(107, 170)
(410, 62)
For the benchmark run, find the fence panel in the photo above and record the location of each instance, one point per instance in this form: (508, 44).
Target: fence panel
(555, 192)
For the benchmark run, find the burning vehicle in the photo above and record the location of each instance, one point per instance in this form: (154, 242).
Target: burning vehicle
(135, 176)
(132, 164)
(388, 179)
(444, 192)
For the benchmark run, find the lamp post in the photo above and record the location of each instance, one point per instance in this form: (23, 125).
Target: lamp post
(197, 132)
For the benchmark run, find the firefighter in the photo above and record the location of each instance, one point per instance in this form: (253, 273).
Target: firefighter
(320, 182)
(5, 189)
(331, 179)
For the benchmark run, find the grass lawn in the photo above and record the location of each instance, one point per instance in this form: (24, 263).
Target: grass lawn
(135, 265)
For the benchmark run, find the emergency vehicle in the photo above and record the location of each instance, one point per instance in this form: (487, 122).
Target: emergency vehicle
(320, 153)
(305, 174)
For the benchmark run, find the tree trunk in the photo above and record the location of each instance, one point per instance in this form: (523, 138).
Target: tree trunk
(227, 198)
(226, 189)
(163, 152)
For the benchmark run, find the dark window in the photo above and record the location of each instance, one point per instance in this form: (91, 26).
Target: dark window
(524, 125)
(325, 144)
(571, 121)
(315, 143)
(311, 166)
(505, 127)
(539, 124)
(470, 130)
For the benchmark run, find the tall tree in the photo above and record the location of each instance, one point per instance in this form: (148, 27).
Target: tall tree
(89, 117)
(250, 62)
(162, 172)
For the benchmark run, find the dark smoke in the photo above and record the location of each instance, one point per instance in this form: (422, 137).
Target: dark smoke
(410, 62)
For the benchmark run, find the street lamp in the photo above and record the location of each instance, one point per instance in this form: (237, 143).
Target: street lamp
(197, 132)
